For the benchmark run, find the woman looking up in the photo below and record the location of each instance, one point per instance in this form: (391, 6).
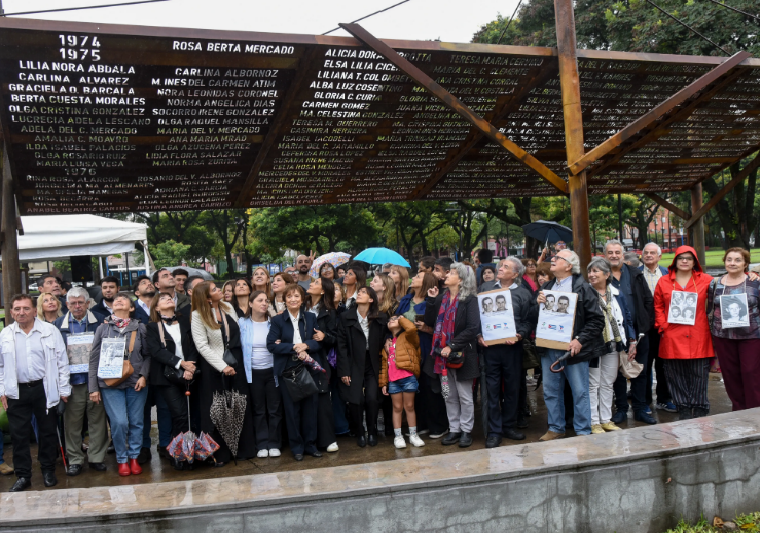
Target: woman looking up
(320, 297)
(48, 307)
(215, 329)
(258, 363)
(260, 282)
(401, 278)
(279, 282)
(385, 289)
(241, 291)
(355, 278)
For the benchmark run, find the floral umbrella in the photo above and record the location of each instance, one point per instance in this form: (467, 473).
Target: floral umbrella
(332, 258)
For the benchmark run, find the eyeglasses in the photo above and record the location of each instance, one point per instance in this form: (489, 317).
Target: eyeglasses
(555, 257)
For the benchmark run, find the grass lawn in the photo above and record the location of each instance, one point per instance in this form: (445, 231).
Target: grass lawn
(713, 258)
(741, 524)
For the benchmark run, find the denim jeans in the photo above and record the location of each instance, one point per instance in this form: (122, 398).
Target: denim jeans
(577, 376)
(125, 410)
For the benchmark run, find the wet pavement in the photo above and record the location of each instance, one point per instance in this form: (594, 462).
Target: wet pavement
(158, 470)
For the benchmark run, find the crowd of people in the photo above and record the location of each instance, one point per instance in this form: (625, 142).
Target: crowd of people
(318, 358)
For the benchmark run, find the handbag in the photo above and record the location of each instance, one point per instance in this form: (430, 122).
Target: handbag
(455, 360)
(299, 382)
(175, 375)
(630, 370)
(127, 369)
(228, 356)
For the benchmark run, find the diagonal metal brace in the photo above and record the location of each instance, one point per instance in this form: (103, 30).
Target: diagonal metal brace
(456, 105)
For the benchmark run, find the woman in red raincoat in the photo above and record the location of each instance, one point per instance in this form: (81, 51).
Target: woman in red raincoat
(686, 349)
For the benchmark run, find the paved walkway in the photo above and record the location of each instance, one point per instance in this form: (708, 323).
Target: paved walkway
(158, 470)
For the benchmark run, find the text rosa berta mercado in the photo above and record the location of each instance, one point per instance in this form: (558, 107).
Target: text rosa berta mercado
(195, 46)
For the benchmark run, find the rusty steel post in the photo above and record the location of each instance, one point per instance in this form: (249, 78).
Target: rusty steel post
(565, 27)
(11, 266)
(698, 237)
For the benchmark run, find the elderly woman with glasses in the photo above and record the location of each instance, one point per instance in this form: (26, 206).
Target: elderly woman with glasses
(618, 335)
(454, 316)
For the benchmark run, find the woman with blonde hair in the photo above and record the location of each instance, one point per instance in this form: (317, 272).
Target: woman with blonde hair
(401, 278)
(48, 307)
(214, 326)
(386, 290)
(260, 282)
(277, 299)
(228, 291)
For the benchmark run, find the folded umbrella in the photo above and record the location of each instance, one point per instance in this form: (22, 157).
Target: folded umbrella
(205, 446)
(381, 255)
(182, 446)
(228, 409)
(336, 259)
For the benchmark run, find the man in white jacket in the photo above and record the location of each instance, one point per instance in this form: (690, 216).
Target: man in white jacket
(34, 378)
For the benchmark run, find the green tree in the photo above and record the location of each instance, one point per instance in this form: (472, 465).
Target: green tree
(226, 226)
(323, 229)
(169, 253)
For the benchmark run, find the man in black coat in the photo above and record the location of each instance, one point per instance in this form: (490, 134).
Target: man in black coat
(109, 287)
(587, 344)
(504, 361)
(631, 283)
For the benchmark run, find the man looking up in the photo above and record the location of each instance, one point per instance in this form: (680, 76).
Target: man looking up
(192, 281)
(426, 264)
(34, 378)
(504, 362)
(109, 287)
(75, 326)
(49, 284)
(163, 281)
(651, 255)
(630, 282)
(587, 344)
(144, 291)
(441, 268)
(303, 265)
(180, 276)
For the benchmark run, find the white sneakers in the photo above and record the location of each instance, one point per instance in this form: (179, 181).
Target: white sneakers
(416, 441)
(261, 454)
(274, 452)
(437, 435)
(399, 443)
(333, 447)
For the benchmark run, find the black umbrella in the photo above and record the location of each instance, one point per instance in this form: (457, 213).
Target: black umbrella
(548, 231)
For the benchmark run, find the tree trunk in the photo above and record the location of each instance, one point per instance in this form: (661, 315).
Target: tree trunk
(736, 211)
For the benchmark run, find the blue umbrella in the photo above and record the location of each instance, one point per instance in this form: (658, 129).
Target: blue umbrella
(548, 231)
(381, 255)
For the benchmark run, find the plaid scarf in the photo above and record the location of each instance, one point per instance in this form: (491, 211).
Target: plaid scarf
(444, 329)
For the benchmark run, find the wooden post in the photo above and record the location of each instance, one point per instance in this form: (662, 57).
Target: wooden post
(9, 250)
(698, 237)
(565, 27)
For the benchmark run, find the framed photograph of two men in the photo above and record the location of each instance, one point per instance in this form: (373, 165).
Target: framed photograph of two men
(556, 317)
(497, 320)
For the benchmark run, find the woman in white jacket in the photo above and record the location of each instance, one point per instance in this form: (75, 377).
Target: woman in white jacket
(215, 327)
(618, 330)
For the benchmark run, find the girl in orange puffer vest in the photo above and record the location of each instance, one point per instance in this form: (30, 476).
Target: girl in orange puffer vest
(400, 368)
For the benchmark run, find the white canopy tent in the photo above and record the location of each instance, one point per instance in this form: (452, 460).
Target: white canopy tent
(48, 237)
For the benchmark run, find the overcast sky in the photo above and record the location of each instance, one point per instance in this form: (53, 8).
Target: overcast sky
(448, 20)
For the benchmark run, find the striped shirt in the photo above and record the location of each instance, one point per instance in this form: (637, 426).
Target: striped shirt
(715, 291)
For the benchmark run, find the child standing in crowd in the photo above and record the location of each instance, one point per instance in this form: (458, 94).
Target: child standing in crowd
(400, 368)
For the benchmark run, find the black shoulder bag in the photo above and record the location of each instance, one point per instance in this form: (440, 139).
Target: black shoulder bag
(227, 356)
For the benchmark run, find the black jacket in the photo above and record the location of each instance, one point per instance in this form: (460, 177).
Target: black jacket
(467, 326)
(281, 329)
(352, 350)
(142, 315)
(643, 315)
(100, 309)
(327, 322)
(164, 355)
(589, 321)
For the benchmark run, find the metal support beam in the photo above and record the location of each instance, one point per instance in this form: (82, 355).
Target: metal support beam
(278, 125)
(668, 206)
(698, 236)
(455, 104)
(565, 28)
(653, 115)
(9, 250)
(477, 135)
(752, 167)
